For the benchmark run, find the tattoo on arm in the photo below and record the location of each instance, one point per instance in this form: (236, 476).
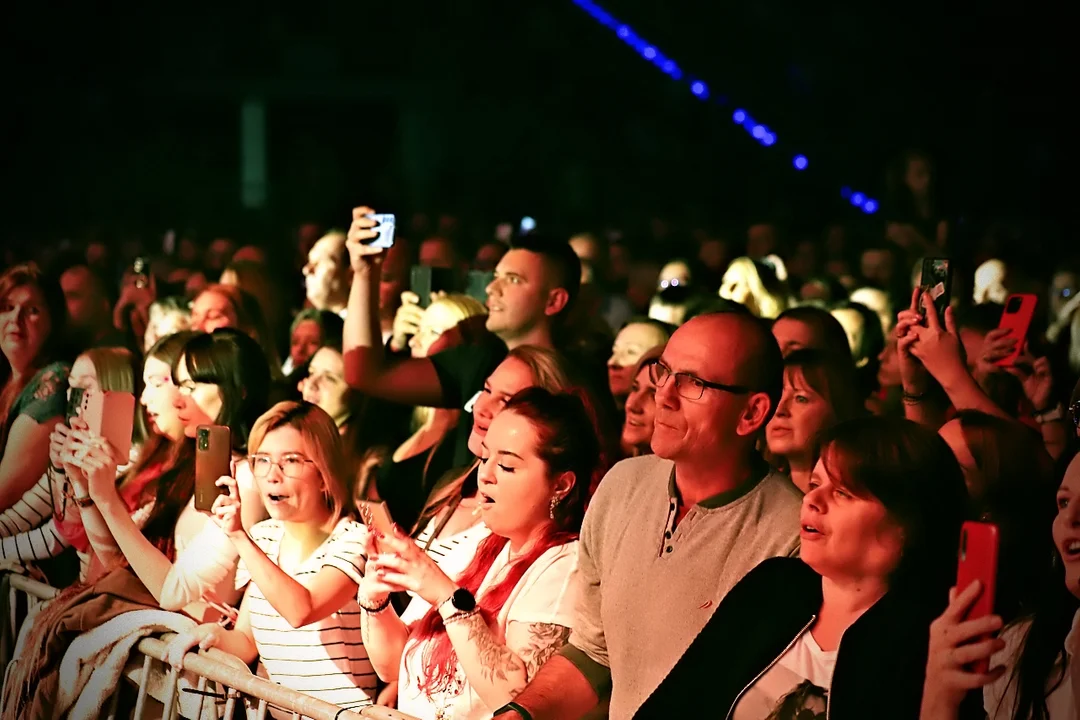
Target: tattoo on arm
(496, 659)
(544, 641)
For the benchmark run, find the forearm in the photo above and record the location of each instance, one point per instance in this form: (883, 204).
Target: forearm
(202, 567)
(1055, 437)
(384, 636)
(558, 692)
(925, 411)
(36, 544)
(292, 600)
(98, 533)
(493, 670)
(239, 644)
(147, 562)
(362, 340)
(18, 472)
(965, 394)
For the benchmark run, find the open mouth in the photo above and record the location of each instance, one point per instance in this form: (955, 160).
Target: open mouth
(485, 499)
(1071, 551)
(809, 530)
(276, 498)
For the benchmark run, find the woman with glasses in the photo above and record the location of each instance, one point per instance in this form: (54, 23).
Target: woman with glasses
(183, 559)
(302, 567)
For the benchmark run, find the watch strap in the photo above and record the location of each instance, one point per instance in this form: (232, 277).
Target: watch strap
(514, 707)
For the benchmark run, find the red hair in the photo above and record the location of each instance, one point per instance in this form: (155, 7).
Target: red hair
(566, 442)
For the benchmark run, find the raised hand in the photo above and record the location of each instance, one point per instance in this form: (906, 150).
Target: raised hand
(955, 645)
(226, 508)
(937, 345)
(361, 233)
(373, 589)
(913, 376)
(403, 565)
(406, 321)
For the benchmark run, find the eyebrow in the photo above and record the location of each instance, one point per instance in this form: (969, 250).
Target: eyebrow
(510, 273)
(511, 454)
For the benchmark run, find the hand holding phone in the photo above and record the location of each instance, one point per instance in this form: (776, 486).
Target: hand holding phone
(1016, 319)
(376, 516)
(110, 414)
(936, 279)
(366, 229)
(978, 561)
(213, 459)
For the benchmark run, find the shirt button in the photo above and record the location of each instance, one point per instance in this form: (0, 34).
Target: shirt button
(668, 534)
(672, 506)
(669, 549)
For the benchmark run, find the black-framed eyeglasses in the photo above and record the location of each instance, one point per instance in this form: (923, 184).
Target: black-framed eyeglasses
(292, 465)
(687, 385)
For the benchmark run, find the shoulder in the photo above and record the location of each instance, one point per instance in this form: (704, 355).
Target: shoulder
(267, 532)
(779, 574)
(654, 470)
(780, 493)
(348, 531)
(49, 380)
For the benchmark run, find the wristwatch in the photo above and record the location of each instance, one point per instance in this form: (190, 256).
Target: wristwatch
(515, 708)
(461, 601)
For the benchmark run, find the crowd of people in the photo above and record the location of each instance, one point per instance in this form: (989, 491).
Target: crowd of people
(721, 485)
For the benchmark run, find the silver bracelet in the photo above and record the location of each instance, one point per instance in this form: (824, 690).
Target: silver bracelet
(458, 617)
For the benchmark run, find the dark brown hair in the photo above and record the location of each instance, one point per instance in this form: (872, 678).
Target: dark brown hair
(912, 472)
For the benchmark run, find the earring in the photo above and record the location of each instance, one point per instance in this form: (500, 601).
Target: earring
(554, 504)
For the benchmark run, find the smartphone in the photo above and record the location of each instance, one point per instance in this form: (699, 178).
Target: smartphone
(978, 560)
(476, 284)
(937, 280)
(385, 228)
(1017, 316)
(110, 414)
(141, 271)
(376, 515)
(213, 456)
(74, 404)
(424, 280)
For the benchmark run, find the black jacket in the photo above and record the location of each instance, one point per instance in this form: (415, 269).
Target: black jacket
(880, 665)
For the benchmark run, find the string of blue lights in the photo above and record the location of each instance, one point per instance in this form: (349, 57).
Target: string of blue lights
(699, 89)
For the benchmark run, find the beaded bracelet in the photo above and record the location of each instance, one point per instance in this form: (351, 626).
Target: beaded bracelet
(374, 610)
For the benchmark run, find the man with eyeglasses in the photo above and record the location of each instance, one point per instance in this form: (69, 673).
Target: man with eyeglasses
(668, 535)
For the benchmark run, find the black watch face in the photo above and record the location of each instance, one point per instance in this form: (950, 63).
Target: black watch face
(463, 600)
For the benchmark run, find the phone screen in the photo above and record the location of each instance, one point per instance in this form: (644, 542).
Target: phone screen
(385, 227)
(937, 280)
(75, 398)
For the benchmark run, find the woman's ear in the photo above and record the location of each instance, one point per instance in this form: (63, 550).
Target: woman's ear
(564, 484)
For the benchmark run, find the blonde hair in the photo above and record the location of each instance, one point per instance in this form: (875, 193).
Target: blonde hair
(549, 371)
(321, 440)
(114, 367)
(771, 297)
(460, 307)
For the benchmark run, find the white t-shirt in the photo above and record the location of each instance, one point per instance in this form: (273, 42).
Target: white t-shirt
(325, 659)
(545, 594)
(999, 697)
(796, 687)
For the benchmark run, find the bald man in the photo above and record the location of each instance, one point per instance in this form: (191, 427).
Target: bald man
(668, 535)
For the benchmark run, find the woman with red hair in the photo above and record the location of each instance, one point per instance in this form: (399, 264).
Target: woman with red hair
(467, 646)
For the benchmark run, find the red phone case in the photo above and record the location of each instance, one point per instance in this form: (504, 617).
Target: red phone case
(213, 458)
(978, 560)
(1018, 322)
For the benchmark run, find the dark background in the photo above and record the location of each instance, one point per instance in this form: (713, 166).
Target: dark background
(124, 119)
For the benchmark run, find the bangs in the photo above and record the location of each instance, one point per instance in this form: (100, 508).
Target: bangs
(846, 470)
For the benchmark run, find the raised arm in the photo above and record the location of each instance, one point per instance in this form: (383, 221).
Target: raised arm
(411, 381)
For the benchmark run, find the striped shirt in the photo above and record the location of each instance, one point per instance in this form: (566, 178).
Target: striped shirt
(325, 659)
(447, 552)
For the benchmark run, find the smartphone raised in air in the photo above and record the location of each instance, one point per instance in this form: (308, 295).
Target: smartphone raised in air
(936, 279)
(213, 456)
(978, 560)
(110, 414)
(385, 227)
(1017, 316)
(424, 280)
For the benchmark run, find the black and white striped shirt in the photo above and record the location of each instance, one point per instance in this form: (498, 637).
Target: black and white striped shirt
(325, 659)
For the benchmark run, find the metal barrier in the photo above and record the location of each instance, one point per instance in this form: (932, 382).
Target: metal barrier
(160, 682)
